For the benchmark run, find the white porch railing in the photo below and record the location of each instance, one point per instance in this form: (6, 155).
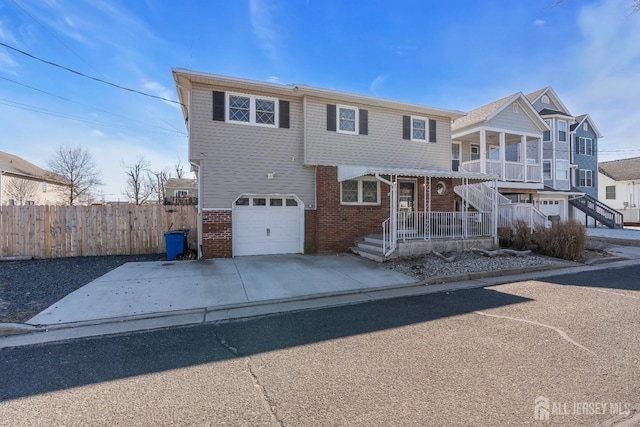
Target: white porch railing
(443, 225)
(513, 171)
(510, 213)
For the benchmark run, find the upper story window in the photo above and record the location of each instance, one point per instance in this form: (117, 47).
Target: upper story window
(515, 107)
(585, 178)
(546, 169)
(455, 156)
(180, 193)
(363, 191)
(545, 99)
(585, 146)
(562, 131)
(347, 119)
(562, 170)
(546, 136)
(418, 129)
(585, 126)
(250, 109)
(44, 187)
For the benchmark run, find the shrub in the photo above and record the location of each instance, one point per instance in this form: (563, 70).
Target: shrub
(505, 236)
(521, 236)
(564, 240)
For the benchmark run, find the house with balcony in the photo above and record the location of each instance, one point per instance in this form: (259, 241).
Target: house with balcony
(503, 138)
(181, 191)
(299, 169)
(569, 164)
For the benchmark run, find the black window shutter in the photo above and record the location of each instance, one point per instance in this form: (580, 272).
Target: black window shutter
(432, 130)
(284, 114)
(364, 122)
(218, 106)
(406, 127)
(331, 117)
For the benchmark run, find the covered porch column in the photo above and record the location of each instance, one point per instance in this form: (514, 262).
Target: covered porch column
(483, 151)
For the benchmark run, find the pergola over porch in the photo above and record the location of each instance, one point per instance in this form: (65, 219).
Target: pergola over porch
(427, 224)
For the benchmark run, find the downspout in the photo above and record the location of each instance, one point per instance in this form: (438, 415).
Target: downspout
(393, 211)
(495, 212)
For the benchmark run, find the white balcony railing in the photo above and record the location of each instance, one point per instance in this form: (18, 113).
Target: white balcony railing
(444, 225)
(513, 171)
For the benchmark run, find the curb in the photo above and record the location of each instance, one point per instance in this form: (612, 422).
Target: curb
(244, 311)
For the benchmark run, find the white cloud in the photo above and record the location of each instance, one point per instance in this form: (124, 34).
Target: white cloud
(160, 90)
(261, 15)
(273, 79)
(7, 63)
(376, 85)
(97, 132)
(604, 69)
(5, 33)
(539, 22)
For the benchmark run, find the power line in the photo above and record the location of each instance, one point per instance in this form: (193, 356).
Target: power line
(54, 36)
(92, 107)
(89, 77)
(27, 107)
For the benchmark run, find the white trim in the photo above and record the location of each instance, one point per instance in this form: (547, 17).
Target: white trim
(252, 109)
(462, 134)
(471, 146)
(426, 128)
(414, 181)
(580, 152)
(550, 170)
(549, 122)
(587, 172)
(558, 161)
(217, 209)
(356, 125)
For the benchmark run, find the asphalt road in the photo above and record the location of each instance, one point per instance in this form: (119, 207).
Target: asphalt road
(474, 357)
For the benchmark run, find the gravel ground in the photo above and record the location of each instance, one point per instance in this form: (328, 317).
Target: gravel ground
(28, 287)
(426, 266)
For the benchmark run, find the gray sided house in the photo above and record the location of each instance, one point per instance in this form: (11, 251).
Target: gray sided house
(585, 136)
(298, 169)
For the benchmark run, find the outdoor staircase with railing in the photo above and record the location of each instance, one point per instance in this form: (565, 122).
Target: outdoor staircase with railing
(371, 247)
(597, 210)
(480, 196)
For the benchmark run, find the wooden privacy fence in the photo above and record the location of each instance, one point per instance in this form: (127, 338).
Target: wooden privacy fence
(65, 231)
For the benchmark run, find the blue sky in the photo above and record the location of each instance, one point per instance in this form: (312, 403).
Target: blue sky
(452, 54)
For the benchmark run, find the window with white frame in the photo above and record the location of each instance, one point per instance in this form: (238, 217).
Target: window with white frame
(585, 126)
(347, 119)
(546, 169)
(44, 187)
(252, 109)
(545, 99)
(562, 131)
(562, 170)
(546, 136)
(585, 146)
(418, 129)
(585, 178)
(610, 192)
(455, 156)
(363, 191)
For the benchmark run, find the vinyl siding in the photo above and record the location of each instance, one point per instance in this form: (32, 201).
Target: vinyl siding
(512, 122)
(539, 106)
(236, 158)
(383, 146)
(586, 162)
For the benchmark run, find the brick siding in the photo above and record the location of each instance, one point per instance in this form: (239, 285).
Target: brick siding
(216, 234)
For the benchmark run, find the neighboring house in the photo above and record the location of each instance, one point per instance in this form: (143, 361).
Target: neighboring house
(504, 138)
(569, 144)
(619, 186)
(23, 183)
(584, 155)
(292, 169)
(181, 191)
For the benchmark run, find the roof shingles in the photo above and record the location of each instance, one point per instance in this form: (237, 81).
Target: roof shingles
(621, 170)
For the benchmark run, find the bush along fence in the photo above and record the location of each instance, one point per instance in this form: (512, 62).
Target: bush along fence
(66, 231)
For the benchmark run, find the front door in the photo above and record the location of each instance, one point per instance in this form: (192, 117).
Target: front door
(406, 204)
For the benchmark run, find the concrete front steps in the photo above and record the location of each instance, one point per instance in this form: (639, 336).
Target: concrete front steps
(370, 247)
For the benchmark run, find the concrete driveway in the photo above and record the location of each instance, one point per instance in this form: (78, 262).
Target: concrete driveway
(144, 288)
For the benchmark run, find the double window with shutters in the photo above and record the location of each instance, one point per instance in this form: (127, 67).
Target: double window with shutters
(250, 109)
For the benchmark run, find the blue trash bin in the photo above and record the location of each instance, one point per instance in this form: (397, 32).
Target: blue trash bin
(176, 243)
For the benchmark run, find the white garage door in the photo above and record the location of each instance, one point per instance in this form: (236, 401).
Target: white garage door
(267, 224)
(551, 207)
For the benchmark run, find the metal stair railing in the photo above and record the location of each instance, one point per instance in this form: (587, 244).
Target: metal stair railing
(598, 210)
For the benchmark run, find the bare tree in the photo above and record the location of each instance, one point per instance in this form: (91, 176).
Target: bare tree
(20, 190)
(78, 168)
(159, 181)
(139, 182)
(179, 169)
